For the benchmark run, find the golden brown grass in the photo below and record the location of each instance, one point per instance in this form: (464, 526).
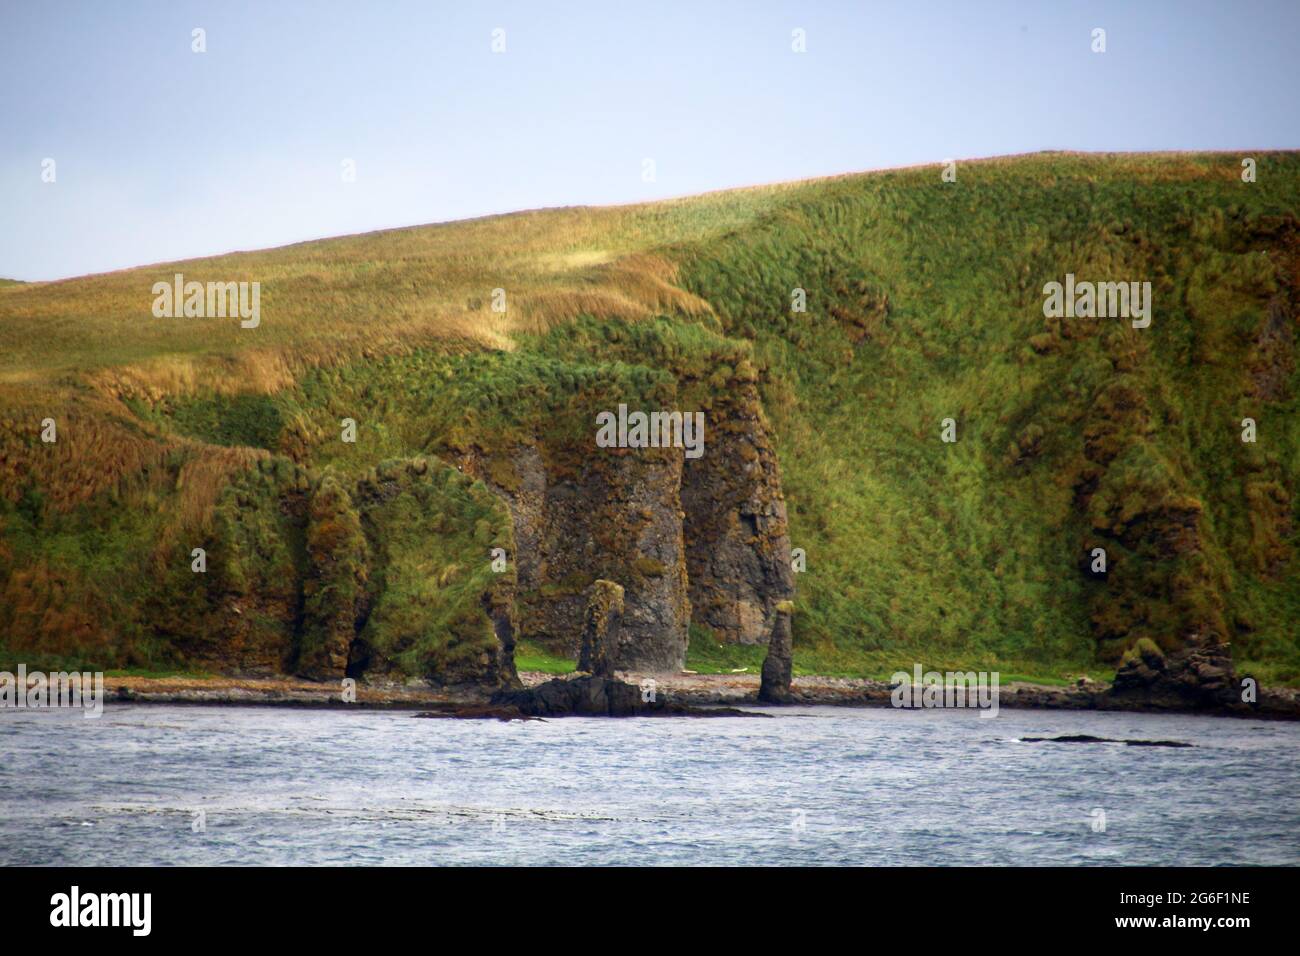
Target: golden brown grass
(330, 301)
(951, 554)
(74, 350)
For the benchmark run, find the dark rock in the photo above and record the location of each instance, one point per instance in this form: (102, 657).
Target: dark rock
(1199, 676)
(1089, 739)
(600, 629)
(499, 604)
(737, 535)
(584, 695)
(481, 712)
(591, 696)
(701, 540)
(778, 665)
(578, 518)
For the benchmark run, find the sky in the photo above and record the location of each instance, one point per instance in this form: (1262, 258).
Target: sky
(163, 153)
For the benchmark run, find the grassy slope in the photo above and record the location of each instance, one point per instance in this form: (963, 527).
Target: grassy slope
(954, 551)
(923, 303)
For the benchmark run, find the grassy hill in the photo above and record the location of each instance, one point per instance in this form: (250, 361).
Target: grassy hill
(924, 303)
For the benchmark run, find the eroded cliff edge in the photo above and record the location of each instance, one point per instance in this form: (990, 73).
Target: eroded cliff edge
(692, 540)
(432, 566)
(1073, 436)
(314, 575)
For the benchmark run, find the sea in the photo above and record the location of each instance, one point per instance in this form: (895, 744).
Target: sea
(156, 785)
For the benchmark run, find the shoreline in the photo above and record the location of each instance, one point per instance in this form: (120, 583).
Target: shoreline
(697, 690)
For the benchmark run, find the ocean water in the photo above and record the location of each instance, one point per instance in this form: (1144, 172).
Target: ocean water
(148, 785)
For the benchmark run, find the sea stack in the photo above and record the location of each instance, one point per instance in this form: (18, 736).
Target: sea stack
(777, 666)
(599, 653)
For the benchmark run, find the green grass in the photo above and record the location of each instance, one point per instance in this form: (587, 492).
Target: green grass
(432, 532)
(52, 664)
(705, 655)
(165, 673)
(924, 302)
(251, 420)
(530, 656)
(956, 552)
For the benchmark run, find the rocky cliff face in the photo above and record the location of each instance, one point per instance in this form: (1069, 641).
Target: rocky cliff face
(600, 629)
(737, 538)
(700, 540)
(580, 515)
(326, 565)
(1149, 525)
(392, 577)
(1166, 591)
(241, 611)
(335, 599)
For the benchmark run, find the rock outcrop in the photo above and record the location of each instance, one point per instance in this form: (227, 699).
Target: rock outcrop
(334, 590)
(600, 629)
(778, 665)
(1160, 593)
(1197, 676)
(579, 518)
(700, 540)
(585, 695)
(737, 538)
(589, 696)
(439, 609)
(391, 576)
(240, 614)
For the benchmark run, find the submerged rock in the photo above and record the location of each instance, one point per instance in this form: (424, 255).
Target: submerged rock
(477, 712)
(1089, 739)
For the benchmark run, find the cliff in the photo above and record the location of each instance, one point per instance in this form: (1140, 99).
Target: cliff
(397, 474)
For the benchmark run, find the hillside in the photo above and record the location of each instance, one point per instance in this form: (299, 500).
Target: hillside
(474, 431)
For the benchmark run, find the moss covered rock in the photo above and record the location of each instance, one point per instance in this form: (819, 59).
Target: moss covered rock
(434, 595)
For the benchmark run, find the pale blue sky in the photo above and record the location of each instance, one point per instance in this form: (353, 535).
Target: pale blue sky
(165, 154)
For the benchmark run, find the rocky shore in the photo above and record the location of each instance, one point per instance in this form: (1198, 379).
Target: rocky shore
(692, 690)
